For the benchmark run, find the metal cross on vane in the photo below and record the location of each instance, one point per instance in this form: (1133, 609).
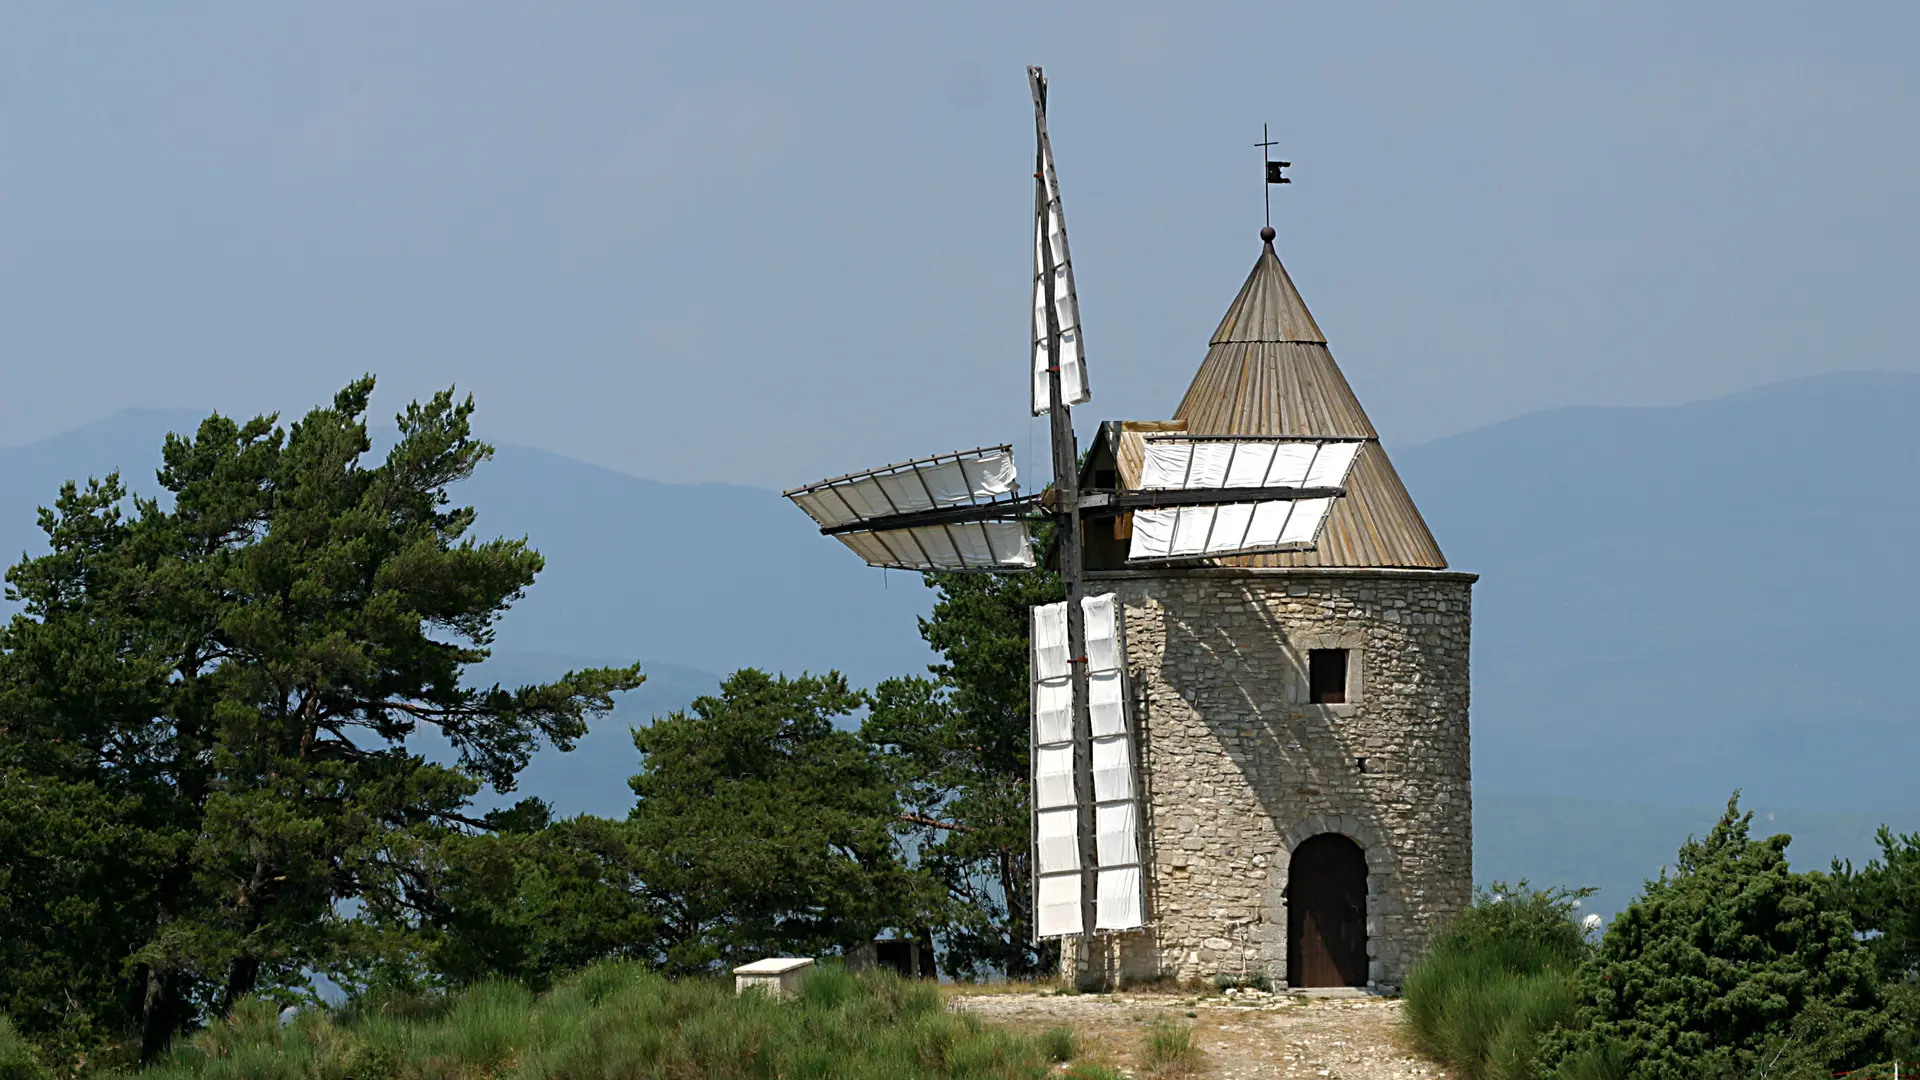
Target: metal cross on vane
(1196, 498)
(1275, 170)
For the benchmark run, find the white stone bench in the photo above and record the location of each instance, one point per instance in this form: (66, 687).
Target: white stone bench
(777, 976)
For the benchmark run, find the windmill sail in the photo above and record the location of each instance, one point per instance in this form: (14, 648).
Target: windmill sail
(950, 512)
(964, 511)
(1051, 259)
(1301, 478)
(1059, 805)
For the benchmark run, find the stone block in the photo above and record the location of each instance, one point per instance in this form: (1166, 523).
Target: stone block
(778, 977)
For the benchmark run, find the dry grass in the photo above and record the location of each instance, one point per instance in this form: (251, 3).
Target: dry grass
(1005, 986)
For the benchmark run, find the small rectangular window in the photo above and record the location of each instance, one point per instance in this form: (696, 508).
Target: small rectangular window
(1327, 676)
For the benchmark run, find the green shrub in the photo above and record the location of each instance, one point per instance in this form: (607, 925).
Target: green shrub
(1496, 979)
(1734, 966)
(18, 1061)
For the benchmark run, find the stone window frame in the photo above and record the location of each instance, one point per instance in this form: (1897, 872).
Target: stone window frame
(1299, 688)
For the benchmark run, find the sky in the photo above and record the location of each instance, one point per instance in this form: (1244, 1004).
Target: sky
(765, 243)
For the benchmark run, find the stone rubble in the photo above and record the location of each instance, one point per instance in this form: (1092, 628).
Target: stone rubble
(1245, 1035)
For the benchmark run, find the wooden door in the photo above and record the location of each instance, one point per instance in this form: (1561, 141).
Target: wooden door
(1327, 913)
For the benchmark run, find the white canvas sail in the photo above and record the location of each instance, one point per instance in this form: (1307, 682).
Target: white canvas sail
(982, 478)
(1180, 464)
(1059, 802)
(1057, 805)
(1050, 250)
(1120, 901)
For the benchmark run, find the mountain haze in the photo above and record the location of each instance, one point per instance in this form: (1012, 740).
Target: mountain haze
(1677, 602)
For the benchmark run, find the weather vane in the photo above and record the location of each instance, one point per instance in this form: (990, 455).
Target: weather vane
(1274, 173)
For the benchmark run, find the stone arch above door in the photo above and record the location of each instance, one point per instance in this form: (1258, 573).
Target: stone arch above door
(1379, 856)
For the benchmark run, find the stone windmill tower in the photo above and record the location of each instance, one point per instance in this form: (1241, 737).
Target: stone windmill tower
(1249, 713)
(1302, 714)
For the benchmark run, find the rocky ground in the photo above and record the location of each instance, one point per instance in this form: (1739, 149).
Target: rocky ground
(1241, 1035)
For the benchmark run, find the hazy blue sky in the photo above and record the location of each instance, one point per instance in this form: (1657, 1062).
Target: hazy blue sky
(763, 243)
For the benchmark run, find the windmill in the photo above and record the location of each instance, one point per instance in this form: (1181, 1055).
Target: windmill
(1198, 498)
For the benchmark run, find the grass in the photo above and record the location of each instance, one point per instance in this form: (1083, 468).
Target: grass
(1495, 981)
(1093, 1071)
(1060, 1044)
(620, 1022)
(1168, 1052)
(1256, 981)
(18, 1061)
(1488, 1022)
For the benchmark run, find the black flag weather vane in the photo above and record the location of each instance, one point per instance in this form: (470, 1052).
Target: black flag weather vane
(1275, 175)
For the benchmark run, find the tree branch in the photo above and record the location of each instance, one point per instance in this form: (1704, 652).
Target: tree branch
(932, 823)
(462, 819)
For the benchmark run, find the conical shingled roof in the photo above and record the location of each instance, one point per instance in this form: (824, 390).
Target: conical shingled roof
(1268, 308)
(1269, 372)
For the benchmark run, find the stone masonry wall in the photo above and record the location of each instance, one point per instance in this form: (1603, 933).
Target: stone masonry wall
(1240, 769)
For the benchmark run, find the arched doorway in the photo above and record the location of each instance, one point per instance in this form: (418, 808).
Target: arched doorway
(1327, 913)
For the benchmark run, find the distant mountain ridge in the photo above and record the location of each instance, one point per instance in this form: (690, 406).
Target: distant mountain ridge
(709, 576)
(1674, 602)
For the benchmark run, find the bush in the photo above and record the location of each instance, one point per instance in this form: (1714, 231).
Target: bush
(1734, 966)
(619, 1020)
(17, 1058)
(1496, 979)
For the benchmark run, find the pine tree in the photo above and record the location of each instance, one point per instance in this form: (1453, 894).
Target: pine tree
(763, 827)
(1733, 966)
(207, 699)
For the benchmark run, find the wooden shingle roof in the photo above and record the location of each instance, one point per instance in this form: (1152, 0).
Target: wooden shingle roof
(1269, 372)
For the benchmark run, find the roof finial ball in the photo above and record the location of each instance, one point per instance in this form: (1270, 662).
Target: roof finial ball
(1267, 234)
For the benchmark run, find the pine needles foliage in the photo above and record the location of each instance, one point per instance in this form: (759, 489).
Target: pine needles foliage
(1735, 966)
(1883, 900)
(208, 701)
(618, 1020)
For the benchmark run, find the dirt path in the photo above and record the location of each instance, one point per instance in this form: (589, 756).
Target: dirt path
(1242, 1037)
